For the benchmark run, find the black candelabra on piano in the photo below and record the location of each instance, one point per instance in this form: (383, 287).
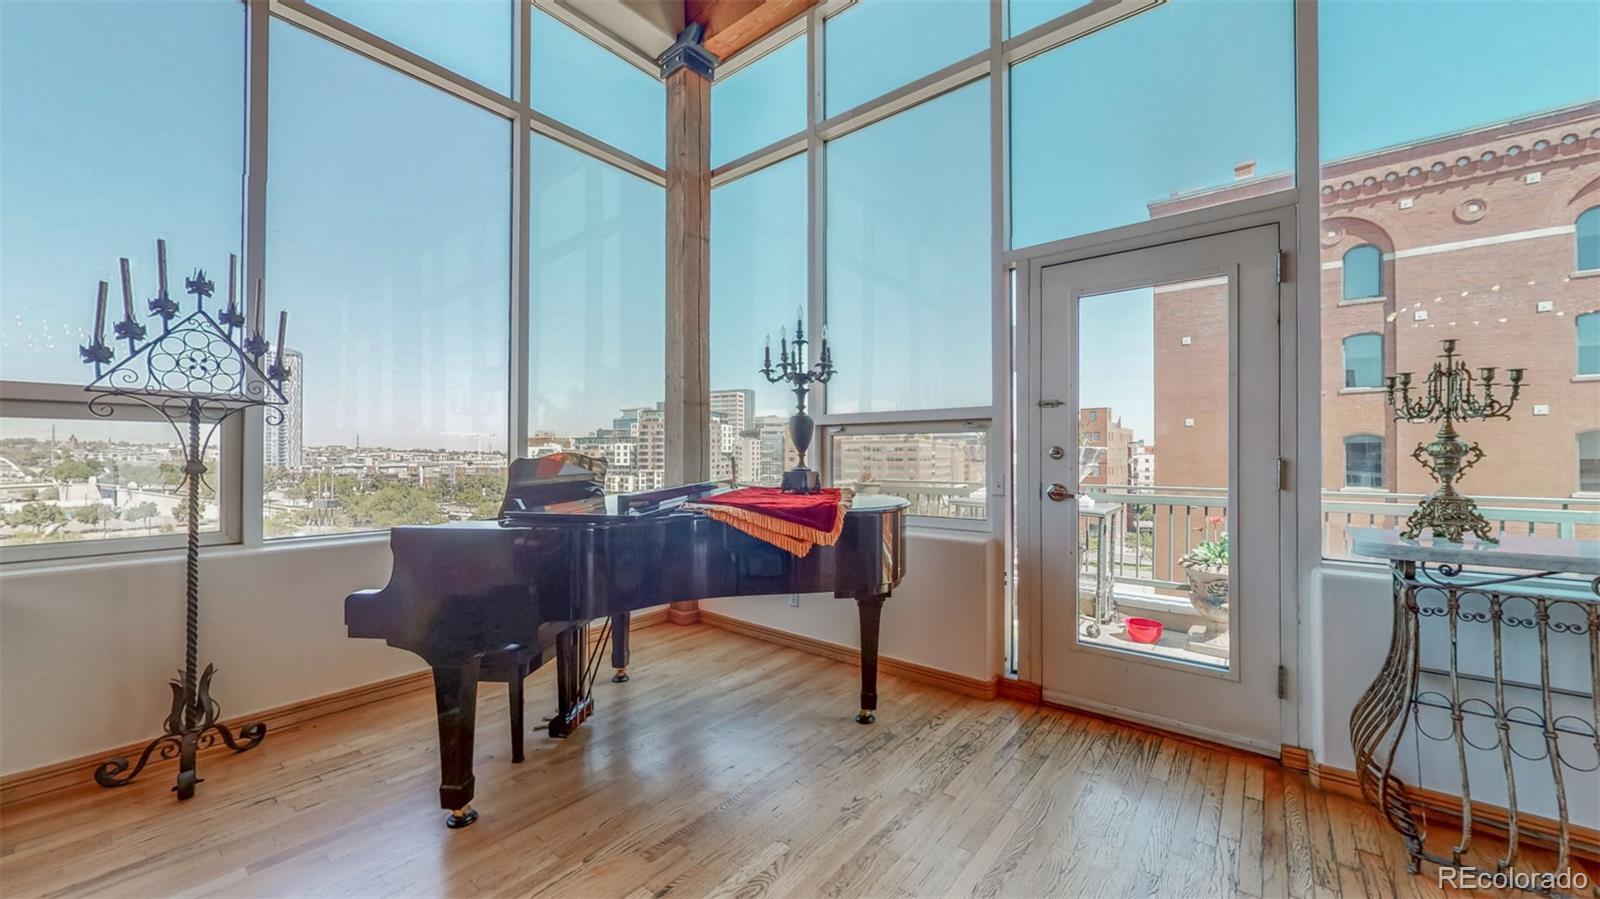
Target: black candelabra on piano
(797, 373)
(194, 375)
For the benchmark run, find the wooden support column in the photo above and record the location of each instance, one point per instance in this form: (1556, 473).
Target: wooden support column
(687, 69)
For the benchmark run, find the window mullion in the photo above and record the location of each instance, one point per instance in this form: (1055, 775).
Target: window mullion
(517, 430)
(250, 498)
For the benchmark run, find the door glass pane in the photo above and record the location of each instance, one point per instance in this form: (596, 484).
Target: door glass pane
(1153, 470)
(68, 480)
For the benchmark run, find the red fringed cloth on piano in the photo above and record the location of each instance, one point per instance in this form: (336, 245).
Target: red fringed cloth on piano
(791, 521)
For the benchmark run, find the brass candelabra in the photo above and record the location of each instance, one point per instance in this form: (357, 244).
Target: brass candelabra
(1450, 393)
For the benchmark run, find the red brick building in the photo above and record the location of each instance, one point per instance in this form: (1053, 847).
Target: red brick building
(1470, 236)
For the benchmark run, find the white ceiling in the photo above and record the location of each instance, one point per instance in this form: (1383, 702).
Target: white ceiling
(647, 27)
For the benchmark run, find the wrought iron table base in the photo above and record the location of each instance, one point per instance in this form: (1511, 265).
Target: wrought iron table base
(1393, 701)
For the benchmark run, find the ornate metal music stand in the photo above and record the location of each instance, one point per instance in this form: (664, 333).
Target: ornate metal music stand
(194, 375)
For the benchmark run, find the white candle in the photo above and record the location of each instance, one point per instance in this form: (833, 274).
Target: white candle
(161, 265)
(233, 284)
(283, 325)
(100, 315)
(127, 290)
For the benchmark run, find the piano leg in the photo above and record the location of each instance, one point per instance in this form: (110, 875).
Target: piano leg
(619, 648)
(455, 690)
(519, 670)
(870, 608)
(572, 706)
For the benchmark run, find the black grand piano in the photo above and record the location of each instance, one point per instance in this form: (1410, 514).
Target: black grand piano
(494, 600)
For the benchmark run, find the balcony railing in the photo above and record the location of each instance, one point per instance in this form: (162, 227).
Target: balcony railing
(1158, 525)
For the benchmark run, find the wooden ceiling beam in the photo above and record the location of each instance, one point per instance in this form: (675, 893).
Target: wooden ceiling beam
(732, 25)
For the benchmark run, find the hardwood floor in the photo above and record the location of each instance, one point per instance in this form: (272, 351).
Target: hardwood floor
(728, 767)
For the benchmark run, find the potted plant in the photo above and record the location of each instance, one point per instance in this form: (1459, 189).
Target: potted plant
(1207, 568)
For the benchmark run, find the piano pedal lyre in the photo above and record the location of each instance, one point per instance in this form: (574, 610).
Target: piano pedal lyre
(461, 817)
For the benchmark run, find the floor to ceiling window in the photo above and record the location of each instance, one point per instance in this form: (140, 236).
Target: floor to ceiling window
(596, 316)
(758, 290)
(389, 241)
(584, 85)
(1455, 219)
(908, 258)
(858, 68)
(472, 37)
(1189, 100)
(97, 161)
(759, 103)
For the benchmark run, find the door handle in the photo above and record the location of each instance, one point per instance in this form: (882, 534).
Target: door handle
(1058, 492)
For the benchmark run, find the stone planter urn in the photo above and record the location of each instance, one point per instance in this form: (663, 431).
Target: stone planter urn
(1207, 571)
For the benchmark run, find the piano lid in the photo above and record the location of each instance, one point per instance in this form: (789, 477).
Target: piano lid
(556, 483)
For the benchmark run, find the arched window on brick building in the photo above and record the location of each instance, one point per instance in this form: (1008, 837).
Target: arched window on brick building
(1363, 272)
(1587, 238)
(1589, 462)
(1363, 461)
(1589, 343)
(1363, 360)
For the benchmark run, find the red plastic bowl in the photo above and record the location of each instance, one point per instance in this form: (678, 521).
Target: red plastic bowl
(1142, 630)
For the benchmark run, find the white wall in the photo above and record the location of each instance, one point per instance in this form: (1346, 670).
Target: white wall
(946, 614)
(86, 648)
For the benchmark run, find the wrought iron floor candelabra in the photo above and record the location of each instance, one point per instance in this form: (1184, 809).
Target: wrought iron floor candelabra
(194, 375)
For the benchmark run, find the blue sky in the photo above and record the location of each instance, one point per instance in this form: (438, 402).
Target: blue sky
(388, 202)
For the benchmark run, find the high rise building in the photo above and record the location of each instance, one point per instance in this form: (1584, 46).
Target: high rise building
(285, 440)
(1099, 428)
(735, 405)
(1143, 470)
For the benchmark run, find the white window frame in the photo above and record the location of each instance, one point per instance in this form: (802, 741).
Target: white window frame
(64, 402)
(823, 446)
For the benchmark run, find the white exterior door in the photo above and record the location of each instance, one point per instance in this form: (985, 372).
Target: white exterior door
(1156, 398)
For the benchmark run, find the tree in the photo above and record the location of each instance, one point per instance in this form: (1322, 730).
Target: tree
(94, 514)
(392, 504)
(181, 511)
(76, 469)
(38, 516)
(140, 512)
